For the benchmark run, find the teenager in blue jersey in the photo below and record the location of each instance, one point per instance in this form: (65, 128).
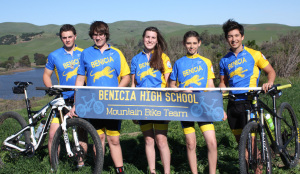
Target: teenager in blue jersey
(64, 62)
(195, 71)
(104, 65)
(241, 67)
(151, 68)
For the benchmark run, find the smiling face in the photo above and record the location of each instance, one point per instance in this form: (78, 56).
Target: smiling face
(99, 39)
(234, 39)
(150, 40)
(192, 44)
(68, 38)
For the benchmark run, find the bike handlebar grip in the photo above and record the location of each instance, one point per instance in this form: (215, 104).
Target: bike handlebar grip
(284, 86)
(42, 88)
(225, 94)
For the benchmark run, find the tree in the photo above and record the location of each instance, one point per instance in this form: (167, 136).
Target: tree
(25, 61)
(40, 59)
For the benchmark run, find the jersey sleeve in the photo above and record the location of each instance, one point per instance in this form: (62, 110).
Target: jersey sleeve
(222, 68)
(124, 66)
(174, 75)
(210, 73)
(81, 66)
(167, 64)
(262, 62)
(50, 62)
(133, 66)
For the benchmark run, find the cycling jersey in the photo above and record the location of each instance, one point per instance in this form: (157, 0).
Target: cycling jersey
(146, 76)
(192, 71)
(103, 69)
(244, 69)
(65, 67)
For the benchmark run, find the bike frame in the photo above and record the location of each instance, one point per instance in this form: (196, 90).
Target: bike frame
(57, 103)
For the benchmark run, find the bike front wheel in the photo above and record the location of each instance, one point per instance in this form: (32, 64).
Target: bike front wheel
(288, 132)
(254, 157)
(85, 145)
(10, 124)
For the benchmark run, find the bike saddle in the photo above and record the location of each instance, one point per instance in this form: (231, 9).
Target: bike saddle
(22, 84)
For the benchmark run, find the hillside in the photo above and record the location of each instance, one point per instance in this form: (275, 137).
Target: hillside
(119, 32)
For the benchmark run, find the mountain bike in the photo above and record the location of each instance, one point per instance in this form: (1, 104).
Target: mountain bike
(254, 148)
(19, 138)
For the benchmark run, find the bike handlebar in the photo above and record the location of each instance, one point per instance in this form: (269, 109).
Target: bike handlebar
(284, 86)
(53, 91)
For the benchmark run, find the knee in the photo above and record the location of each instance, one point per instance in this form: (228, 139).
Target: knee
(191, 145)
(212, 145)
(162, 143)
(149, 141)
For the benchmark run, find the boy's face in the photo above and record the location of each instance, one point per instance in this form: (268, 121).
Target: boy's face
(68, 39)
(99, 39)
(234, 39)
(192, 44)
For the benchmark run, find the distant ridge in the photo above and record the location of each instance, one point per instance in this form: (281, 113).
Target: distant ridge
(120, 30)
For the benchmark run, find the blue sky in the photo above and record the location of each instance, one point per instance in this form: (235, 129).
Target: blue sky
(193, 12)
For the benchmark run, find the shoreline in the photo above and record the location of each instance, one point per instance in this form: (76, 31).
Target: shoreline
(9, 72)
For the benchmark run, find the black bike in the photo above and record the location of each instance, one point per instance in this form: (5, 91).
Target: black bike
(254, 148)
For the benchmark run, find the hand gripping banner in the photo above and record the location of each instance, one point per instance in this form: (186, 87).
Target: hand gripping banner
(149, 105)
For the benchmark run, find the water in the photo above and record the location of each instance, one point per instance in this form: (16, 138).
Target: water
(35, 76)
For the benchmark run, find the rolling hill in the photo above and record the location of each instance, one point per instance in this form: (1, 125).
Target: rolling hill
(120, 30)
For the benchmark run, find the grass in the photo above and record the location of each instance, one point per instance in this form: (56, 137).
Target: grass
(132, 143)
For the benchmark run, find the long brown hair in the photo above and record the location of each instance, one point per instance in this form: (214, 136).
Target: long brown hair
(156, 61)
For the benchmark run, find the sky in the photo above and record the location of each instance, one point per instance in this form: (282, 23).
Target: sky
(188, 12)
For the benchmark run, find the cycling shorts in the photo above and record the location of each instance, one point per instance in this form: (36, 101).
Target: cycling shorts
(237, 115)
(152, 124)
(109, 127)
(189, 127)
(69, 102)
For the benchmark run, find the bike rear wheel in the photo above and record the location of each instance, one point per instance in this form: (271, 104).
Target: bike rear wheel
(90, 144)
(288, 132)
(250, 151)
(10, 124)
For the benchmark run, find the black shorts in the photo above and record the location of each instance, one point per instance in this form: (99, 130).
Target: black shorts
(237, 113)
(112, 125)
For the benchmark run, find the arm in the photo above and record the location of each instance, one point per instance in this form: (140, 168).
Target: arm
(79, 82)
(133, 81)
(167, 78)
(124, 81)
(223, 81)
(271, 77)
(47, 77)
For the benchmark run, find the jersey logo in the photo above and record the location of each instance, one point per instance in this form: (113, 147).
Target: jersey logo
(239, 71)
(105, 72)
(70, 74)
(146, 73)
(195, 79)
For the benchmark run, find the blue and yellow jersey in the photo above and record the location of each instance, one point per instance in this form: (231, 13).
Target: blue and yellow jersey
(192, 71)
(65, 67)
(103, 69)
(244, 69)
(146, 76)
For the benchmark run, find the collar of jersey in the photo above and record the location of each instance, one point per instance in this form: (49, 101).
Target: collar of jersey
(145, 52)
(193, 56)
(240, 52)
(98, 48)
(75, 49)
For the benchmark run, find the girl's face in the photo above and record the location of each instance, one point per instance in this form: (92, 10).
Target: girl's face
(150, 40)
(192, 44)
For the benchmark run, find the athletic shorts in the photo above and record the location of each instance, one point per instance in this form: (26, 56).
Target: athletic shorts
(152, 124)
(237, 115)
(69, 102)
(189, 127)
(110, 127)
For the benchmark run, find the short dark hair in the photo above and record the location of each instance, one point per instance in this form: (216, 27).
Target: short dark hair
(232, 25)
(67, 27)
(191, 34)
(99, 27)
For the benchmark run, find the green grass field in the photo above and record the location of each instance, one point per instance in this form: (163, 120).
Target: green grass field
(132, 143)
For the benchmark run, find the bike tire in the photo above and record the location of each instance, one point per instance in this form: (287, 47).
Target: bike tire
(288, 132)
(256, 146)
(59, 157)
(11, 123)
